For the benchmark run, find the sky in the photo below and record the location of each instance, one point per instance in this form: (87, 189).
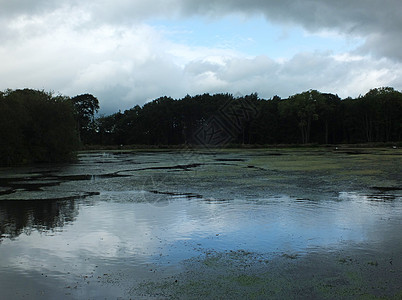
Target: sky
(129, 52)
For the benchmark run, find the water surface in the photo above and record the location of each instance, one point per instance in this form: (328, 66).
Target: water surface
(171, 224)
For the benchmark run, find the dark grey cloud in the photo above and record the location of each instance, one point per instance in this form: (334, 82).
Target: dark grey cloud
(378, 21)
(346, 15)
(14, 8)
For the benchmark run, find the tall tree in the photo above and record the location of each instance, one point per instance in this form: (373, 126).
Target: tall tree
(303, 107)
(86, 106)
(382, 114)
(327, 108)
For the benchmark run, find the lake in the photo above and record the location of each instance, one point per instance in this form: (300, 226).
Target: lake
(296, 223)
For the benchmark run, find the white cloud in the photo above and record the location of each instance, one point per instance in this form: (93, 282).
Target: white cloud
(107, 49)
(345, 75)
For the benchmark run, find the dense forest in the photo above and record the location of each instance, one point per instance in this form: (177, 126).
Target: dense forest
(222, 119)
(36, 126)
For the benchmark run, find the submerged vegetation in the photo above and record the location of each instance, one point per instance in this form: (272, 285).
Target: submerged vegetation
(248, 275)
(36, 126)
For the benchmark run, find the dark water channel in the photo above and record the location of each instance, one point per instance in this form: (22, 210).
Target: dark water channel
(257, 224)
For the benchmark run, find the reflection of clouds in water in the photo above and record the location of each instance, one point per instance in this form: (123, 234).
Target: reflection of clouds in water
(378, 215)
(287, 223)
(137, 232)
(368, 197)
(101, 234)
(109, 231)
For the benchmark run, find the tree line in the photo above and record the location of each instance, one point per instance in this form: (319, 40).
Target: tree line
(222, 119)
(37, 126)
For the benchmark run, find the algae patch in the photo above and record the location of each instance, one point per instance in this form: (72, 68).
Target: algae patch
(247, 275)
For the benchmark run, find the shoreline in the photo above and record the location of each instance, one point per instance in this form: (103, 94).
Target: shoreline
(392, 145)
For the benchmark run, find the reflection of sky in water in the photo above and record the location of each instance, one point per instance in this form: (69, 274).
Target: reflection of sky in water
(140, 233)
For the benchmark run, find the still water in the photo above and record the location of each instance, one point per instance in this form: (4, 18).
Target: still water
(127, 224)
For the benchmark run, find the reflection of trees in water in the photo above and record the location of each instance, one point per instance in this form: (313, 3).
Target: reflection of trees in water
(18, 217)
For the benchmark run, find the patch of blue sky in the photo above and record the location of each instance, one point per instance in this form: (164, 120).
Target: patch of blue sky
(253, 36)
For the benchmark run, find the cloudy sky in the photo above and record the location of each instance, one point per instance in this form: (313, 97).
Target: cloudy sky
(128, 52)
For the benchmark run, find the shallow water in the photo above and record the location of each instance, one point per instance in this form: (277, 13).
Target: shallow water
(115, 224)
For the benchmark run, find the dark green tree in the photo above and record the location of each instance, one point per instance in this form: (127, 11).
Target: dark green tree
(327, 110)
(308, 117)
(382, 109)
(36, 126)
(303, 108)
(86, 106)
